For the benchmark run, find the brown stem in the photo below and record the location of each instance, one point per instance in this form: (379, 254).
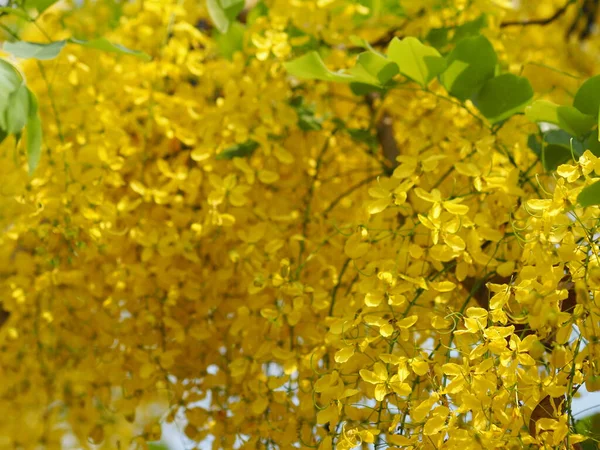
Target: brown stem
(385, 136)
(385, 132)
(482, 295)
(586, 15)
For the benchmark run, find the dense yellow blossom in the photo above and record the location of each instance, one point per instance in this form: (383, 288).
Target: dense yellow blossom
(310, 290)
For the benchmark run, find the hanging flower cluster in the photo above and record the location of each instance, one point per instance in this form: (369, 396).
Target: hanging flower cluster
(277, 263)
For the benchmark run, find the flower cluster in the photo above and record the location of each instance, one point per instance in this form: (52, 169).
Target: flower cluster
(210, 241)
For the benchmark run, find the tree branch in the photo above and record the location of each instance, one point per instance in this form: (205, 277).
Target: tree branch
(587, 15)
(541, 22)
(385, 133)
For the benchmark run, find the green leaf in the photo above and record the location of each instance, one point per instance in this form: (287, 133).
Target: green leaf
(553, 155)
(555, 149)
(359, 42)
(238, 150)
(301, 41)
(438, 37)
(534, 144)
(418, 62)
(15, 12)
(561, 137)
(590, 195)
(469, 29)
(116, 12)
(34, 134)
(16, 111)
(589, 426)
(592, 144)
(40, 5)
(589, 444)
(392, 7)
(469, 65)
(373, 68)
(587, 97)
(363, 135)
(361, 89)
(157, 446)
(110, 47)
(224, 12)
(311, 66)
(307, 120)
(25, 50)
(230, 42)
(10, 78)
(568, 118)
(503, 96)
(259, 10)
(10, 81)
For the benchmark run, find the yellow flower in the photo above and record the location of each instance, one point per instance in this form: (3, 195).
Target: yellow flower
(383, 383)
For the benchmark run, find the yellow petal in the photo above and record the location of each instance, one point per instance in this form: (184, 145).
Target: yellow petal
(268, 176)
(443, 286)
(467, 169)
(373, 299)
(401, 388)
(420, 367)
(379, 205)
(344, 354)
(407, 322)
(456, 208)
(330, 414)
(434, 425)
(369, 377)
(381, 390)
(355, 247)
(432, 197)
(379, 192)
(386, 330)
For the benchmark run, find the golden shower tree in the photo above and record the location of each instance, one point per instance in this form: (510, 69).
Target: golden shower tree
(299, 223)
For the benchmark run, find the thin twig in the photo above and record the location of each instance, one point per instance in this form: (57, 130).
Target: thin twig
(310, 194)
(337, 286)
(541, 22)
(384, 40)
(349, 191)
